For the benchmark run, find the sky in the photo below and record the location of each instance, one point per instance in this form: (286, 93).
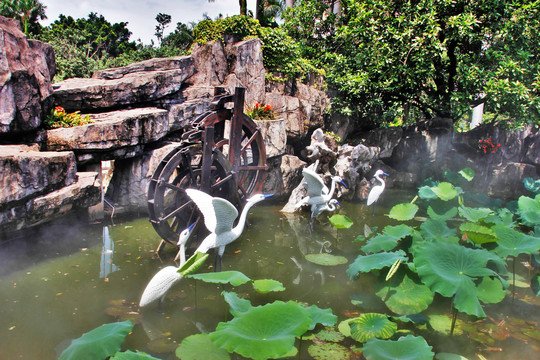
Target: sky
(141, 14)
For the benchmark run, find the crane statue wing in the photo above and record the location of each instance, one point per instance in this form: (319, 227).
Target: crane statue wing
(219, 214)
(315, 185)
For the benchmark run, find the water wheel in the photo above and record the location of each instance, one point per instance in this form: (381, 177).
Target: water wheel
(222, 154)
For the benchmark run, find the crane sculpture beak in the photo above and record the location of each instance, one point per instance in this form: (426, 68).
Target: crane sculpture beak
(343, 183)
(338, 203)
(191, 226)
(266, 196)
(385, 174)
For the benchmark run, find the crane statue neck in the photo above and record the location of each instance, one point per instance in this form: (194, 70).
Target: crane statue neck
(378, 177)
(239, 228)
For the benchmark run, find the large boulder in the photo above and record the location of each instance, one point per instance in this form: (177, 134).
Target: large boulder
(28, 173)
(136, 84)
(26, 70)
(112, 135)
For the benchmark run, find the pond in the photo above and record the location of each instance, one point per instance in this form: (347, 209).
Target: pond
(67, 280)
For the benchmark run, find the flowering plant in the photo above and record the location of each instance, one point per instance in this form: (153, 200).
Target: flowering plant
(487, 146)
(261, 112)
(59, 118)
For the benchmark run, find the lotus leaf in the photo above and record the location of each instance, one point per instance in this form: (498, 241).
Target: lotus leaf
(412, 318)
(99, 343)
(370, 325)
(434, 229)
(467, 173)
(404, 296)
(426, 193)
(443, 324)
(403, 212)
(193, 264)
(130, 355)
(234, 278)
(474, 214)
(236, 305)
(263, 332)
(535, 284)
(503, 217)
(490, 290)
(340, 221)
(199, 346)
(529, 210)
(445, 191)
(329, 351)
(264, 286)
(321, 316)
(329, 333)
(344, 327)
(449, 356)
(513, 243)
(532, 185)
(449, 214)
(366, 263)
(453, 177)
(388, 239)
(451, 269)
(326, 259)
(478, 234)
(405, 348)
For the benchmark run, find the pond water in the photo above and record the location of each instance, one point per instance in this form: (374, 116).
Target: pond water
(67, 280)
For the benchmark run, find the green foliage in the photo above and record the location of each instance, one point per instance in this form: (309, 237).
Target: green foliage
(199, 346)
(193, 264)
(260, 112)
(372, 325)
(99, 343)
(59, 118)
(340, 221)
(326, 259)
(405, 348)
(234, 278)
(214, 30)
(264, 286)
(403, 212)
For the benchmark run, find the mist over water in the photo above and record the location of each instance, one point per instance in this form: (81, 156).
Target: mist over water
(68, 279)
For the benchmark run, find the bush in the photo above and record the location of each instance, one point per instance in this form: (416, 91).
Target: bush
(59, 118)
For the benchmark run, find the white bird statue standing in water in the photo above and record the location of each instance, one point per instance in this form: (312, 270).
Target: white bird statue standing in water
(318, 194)
(165, 278)
(219, 216)
(319, 209)
(376, 190)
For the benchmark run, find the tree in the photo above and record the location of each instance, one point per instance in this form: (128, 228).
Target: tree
(181, 38)
(426, 58)
(163, 21)
(27, 11)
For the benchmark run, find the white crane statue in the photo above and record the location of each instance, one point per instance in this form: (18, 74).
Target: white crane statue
(219, 216)
(165, 278)
(376, 190)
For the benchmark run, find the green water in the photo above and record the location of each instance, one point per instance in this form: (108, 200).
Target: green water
(57, 285)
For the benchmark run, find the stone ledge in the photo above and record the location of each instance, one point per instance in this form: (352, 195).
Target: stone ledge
(120, 133)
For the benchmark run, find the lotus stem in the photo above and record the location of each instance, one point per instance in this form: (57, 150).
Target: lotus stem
(513, 278)
(454, 317)
(413, 200)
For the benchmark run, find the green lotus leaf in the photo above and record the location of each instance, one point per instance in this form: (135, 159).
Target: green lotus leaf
(370, 325)
(411, 318)
(264, 286)
(532, 185)
(449, 356)
(232, 277)
(388, 239)
(426, 193)
(535, 284)
(436, 229)
(445, 191)
(443, 324)
(490, 290)
(340, 221)
(236, 305)
(529, 210)
(329, 333)
(512, 242)
(403, 212)
(474, 214)
(263, 332)
(193, 264)
(99, 343)
(503, 217)
(467, 173)
(449, 214)
(366, 263)
(321, 316)
(326, 259)
(478, 234)
(131, 355)
(405, 348)
(344, 327)
(199, 346)
(329, 351)
(404, 296)
(451, 270)
(453, 177)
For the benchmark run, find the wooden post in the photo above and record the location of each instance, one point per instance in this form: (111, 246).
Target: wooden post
(236, 129)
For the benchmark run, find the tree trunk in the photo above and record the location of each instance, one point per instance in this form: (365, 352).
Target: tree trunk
(243, 7)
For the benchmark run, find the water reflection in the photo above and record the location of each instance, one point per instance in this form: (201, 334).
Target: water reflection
(107, 252)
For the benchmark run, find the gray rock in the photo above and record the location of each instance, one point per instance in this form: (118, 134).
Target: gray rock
(284, 174)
